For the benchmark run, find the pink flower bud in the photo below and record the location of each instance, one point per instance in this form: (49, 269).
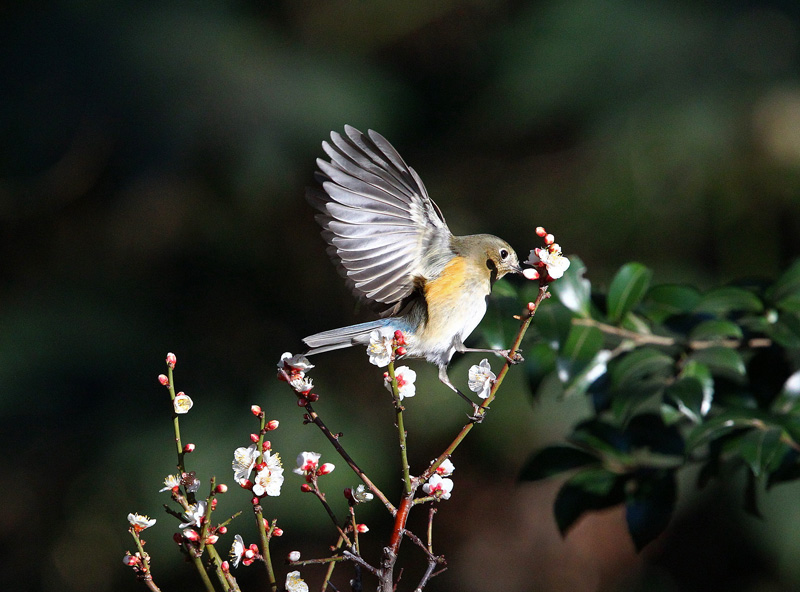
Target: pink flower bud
(272, 424)
(549, 239)
(225, 566)
(222, 529)
(348, 493)
(259, 466)
(214, 504)
(162, 378)
(294, 556)
(254, 437)
(400, 351)
(302, 401)
(399, 338)
(171, 360)
(326, 468)
(540, 231)
(312, 398)
(211, 539)
(221, 488)
(305, 488)
(266, 445)
(188, 448)
(255, 501)
(191, 534)
(531, 274)
(246, 484)
(362, 528)
(255, 410)
(277, 532)
(130, 560)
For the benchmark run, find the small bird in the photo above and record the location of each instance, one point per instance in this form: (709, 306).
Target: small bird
(390, 242)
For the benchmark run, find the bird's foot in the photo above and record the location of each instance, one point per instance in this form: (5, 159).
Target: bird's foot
(478, 413)
(515, 359)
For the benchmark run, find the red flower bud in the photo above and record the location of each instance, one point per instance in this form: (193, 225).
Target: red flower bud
(399, 338)
(171, 360)
(130, 560)
(162, 378)
(225, 566)
(312, 398)
(255, 410)
(277, 532)
(259, 466)
(221, 488)
(272, 424)
(549, 239)
(188, 448)
(302, 401)
(266, 445)
(326, 468)
(222, 529)
(348, 493)
(214, 504)
(305, 488)
(540, 231)
(400, 351)
(211, 539)
(256, 500)
(191, 534)
(254, 437)
(362, 528)
(246, 484)
(177, 538)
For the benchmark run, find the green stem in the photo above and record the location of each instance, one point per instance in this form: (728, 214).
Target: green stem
(401, 432)
(262, 532)
(198, 564)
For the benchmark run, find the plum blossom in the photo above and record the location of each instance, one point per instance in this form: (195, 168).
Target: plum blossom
(446, 468)
(481, 379)
(361, 494)
(182, 403)
(439, 486)
(550, 258)
(405, 377)
(379, 349)
(170, 483)
(139, 521)
(269, 478)
(194, 515)
(244, 459)
(307, 462)
(296, 362)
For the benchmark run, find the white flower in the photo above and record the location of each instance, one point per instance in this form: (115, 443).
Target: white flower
(243, 461)
(361, 495)
(379, 349)
(438, 485)
(170, 483)
(298, 362)
(140, 521)
(481, 378)
(306, 462)
(446, 468)
(182, 403)
(269, 480)
(237, 550)
(194, 515)
(294, 583)
(552, 259)
(300, 383)
(405, 377)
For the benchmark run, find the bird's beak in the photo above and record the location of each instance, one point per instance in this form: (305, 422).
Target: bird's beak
(517, 269)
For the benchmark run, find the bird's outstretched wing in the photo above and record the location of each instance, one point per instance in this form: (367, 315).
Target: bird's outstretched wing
(377, 219)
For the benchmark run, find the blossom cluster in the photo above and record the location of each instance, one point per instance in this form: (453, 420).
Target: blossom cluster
(548, 261)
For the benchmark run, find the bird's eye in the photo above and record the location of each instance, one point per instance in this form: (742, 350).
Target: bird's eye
(503, 253)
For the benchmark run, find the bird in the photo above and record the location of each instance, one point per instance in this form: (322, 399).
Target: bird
(390, 242)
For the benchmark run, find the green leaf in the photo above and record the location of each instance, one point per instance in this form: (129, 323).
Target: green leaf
(662, 302)
(554, 460)
(540, 361)
(761, 449)
(591, 489)
(580, 349)
(722, 361)
(719, 426)
(787, 286)
(716, 330)
(573, 290)
(644, 363)
(687, 395)
(552, 322)
(786, 330)
(702, 373)
(788, 401)
(627, 289)
(649, 506)
(721, 301)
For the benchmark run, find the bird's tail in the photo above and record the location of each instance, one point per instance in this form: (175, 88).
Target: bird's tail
(342, 337)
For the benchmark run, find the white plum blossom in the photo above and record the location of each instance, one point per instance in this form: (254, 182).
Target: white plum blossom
(297, 361)
(140, 521)
(438, 485)
(182, 403)
(244, 459)
(446, 468)
(294, 583)
(481, 379)
(551, 258)
(300, 383)
(307, 462)
(194, 515)
(361, 494)
(237, 550)
(170, 483)
(379, 349)
(269, 480)
(405, 377)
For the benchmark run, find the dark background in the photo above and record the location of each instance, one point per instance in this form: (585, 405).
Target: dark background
(153, 159)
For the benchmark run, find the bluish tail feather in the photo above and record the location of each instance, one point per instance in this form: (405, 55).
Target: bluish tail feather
(343, 336)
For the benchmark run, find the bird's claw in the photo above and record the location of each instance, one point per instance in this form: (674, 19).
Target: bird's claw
(516, 358)
(479, 413)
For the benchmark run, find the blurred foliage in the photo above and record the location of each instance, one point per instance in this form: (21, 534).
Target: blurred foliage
(153, 158)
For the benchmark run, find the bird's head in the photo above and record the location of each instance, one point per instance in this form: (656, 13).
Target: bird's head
(493, 252)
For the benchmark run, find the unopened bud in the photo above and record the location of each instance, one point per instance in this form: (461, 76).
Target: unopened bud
(362, 528)
(255, 501)
(225, 566)
(549, 239)
(531, 306)
(305, 488)
(171, 360)
(255, 410)
(188, 448)
(531, 274)
(400, 351)
(214, 503)
(302, 401)
(211, 539)
(348, 493)
(221, 488)
(177, 538)
(222, 529)
(254, 437)
(162, 378)
(191, 534)
(246, 484)
(293, 556)
(272, 424)
(399, 337)
(130, 560)
(259, 467)
(266, 445)
(540, 231)
(326, 468)
(277, 532)
(312, 397)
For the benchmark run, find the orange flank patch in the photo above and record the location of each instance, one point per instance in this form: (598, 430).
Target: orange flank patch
(442, 291)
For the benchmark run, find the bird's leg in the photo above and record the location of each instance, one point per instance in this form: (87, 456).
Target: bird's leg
(477, 417)
(503, 353)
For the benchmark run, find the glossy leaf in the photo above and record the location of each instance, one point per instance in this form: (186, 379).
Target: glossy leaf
(573, 290)
(552, 322)
(719, 426)
(641, 364)
(583, 344)
(627, 289)
(662, 302)
(687, 396)
(722, 301)
(649, 506)
(702, 373)
(786, 330)
(591, 489)
(540, 362)
(716, 330)
(722, 361)
(787, 286)
(788, 401)
(761, 449)
(555, 460)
